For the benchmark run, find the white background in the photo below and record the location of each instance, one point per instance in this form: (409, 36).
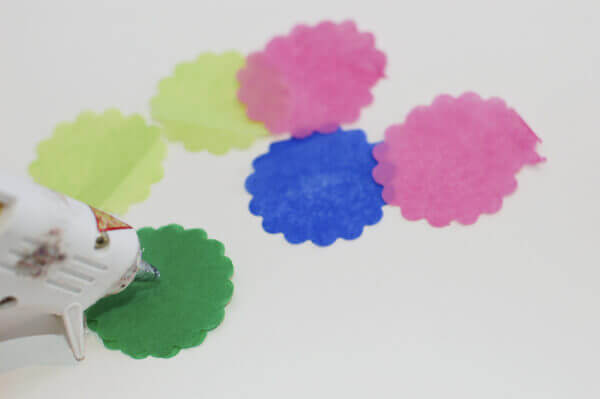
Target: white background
(506, 308)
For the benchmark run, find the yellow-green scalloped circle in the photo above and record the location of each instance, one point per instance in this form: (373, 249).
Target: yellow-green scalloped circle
(198, 105)
(106, 160)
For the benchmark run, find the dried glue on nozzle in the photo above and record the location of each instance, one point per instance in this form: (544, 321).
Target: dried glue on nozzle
(146, 272)
(140, 270)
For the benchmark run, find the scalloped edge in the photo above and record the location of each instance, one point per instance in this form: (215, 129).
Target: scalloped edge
(286, 237)
(445, 97)
(163, 123)
(113, 343)
(136, 196)
(365, 102)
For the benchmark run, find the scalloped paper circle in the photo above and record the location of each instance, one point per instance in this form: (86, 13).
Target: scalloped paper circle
(455, 159)
(314, 79)
(107, 160)
(159, 318)
(316, 189)
(198, 105)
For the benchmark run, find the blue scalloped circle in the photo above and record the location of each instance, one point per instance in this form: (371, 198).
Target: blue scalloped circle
(318, 188)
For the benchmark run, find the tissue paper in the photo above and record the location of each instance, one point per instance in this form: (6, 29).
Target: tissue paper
(314, 79)
(198, 105)
(318, 189)
(159, 318)
(455, 159)
(107, 160)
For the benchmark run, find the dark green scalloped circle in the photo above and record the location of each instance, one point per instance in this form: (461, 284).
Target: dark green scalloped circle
(162, 317)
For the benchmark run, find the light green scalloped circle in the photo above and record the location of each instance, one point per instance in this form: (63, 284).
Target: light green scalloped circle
(198, 105)
(106, 160)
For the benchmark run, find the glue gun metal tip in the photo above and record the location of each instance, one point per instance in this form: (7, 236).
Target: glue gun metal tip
(146, 272)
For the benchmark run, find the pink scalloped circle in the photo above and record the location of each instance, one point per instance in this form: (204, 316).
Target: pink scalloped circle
(455, 159)
(314, 79)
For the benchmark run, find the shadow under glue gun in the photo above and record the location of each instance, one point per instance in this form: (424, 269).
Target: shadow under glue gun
(59, 256)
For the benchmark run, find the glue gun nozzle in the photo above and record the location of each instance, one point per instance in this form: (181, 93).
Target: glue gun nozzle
(146, 272)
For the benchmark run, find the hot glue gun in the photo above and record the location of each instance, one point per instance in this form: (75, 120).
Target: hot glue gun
(58, 256)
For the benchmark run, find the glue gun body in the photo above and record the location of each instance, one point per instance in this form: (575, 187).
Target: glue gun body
(59, 256)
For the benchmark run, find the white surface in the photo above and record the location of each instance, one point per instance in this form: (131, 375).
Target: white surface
(507, 308)
(41, 349)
